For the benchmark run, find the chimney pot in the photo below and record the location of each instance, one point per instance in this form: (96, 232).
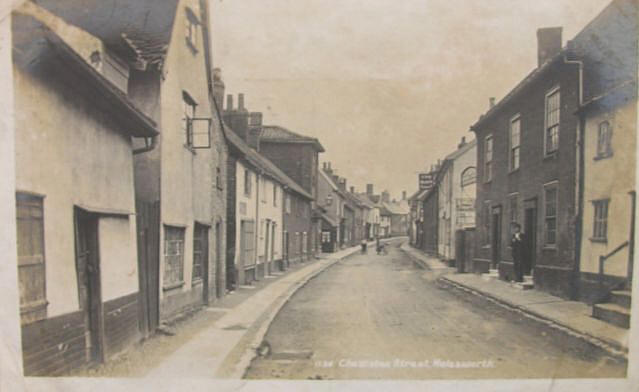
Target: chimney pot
(491, 102)
(229, 102)
(548, 44)
(240, 101)
(369, 189)
(352, 189)
(403, 195)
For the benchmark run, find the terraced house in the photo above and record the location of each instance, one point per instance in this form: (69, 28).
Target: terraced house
(529, 159)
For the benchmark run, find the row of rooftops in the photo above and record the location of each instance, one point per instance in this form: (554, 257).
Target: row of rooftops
(365, 200)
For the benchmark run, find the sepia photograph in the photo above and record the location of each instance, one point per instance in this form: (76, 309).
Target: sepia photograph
(312, 194)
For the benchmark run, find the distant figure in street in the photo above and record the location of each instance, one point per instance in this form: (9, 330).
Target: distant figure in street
(517, 245)
(364, 246)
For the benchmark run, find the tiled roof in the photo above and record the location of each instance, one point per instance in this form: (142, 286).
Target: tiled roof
(140, 27)
(276, 133)
(260, 162)
(29, 34)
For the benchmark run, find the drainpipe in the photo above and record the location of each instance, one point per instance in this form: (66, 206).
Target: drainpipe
(579, 197)
(148, 147)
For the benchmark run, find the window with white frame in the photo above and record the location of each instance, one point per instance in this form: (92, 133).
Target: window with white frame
(287, 203)
(247, 182)
(600, 221)
(31, 263)
(550, 214)
(274, 195)
(263, 190)
(551, 133)
(488, 158)
(173, 256)
(604, 140)
(515, 141)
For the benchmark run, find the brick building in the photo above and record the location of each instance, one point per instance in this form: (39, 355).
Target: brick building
(297, 156)
(527, 163)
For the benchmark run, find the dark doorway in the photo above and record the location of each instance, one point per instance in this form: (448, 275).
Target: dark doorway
(219, 276)
(88, 274)
(530, 235)
(201, 258)
(267, 243)
(285, 246)
(496, 236)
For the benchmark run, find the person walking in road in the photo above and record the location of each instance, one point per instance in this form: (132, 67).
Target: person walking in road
(517, 246)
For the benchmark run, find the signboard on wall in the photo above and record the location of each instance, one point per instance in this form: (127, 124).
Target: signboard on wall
(426, 181)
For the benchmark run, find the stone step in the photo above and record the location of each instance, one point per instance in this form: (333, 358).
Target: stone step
(621, 298)
(612, 313)
(490, 276)
(523, 285)
(528, 279)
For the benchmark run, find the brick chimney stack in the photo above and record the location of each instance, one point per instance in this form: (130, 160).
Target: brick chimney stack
(369, 189)
(491, 102)
(352, 189)
(403, 195)
(386, 197)
(342, 184)
(240, 102)
(229, 102)
(462, 143)
(548, 44)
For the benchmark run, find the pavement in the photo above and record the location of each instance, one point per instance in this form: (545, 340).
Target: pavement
(572, 317)
(225, 348)
(385, 317)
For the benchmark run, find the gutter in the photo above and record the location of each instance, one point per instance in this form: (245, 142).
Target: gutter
(148, 147)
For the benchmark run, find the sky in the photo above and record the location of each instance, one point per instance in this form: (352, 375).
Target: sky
(387, 86)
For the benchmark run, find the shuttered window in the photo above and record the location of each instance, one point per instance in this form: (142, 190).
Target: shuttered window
(31, 262)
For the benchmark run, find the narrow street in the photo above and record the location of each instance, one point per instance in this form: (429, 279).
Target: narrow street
(382, 317)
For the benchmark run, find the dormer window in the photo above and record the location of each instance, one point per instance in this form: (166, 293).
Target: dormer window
(191, 30)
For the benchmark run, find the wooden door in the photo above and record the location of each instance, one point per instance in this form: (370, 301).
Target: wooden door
(89, 290)
(201, 257)
(496, 236)
(530, 235)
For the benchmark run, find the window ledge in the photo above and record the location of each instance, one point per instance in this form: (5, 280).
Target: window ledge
(197, 282)
(549, 247)
(599, 240)
(550, 155)
(173, 286)
(603, 156)
(516, 170)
